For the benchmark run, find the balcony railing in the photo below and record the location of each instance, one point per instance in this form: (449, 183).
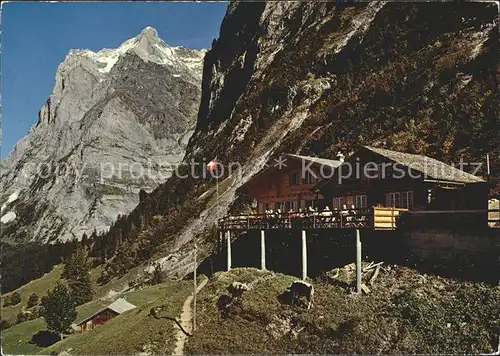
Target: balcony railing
(356, 218)
(376, 218)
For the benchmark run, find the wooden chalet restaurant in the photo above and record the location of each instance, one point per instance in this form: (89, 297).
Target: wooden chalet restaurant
(373, 190)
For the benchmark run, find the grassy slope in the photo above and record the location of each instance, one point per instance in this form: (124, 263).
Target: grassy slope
(116, 285)
(16, 339)
(38, 286)
(133, 331)
(120, 336)
(238, 335)
(405, 313)
(41, 285)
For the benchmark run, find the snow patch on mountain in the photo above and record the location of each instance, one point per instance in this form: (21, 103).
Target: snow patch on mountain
(9, 217)
(12, 198)
(150, 48)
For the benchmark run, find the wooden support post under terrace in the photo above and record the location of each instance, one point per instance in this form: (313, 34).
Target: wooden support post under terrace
(358, 262)
(262, 250)
(228, 241)
(304, 255)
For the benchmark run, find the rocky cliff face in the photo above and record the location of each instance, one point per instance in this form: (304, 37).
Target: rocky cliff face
(315, 78)
(419, 77)
(117, 121)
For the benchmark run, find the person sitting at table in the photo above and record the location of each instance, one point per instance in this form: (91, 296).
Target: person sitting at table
(352, 211)
(344, 210)
(326, 211)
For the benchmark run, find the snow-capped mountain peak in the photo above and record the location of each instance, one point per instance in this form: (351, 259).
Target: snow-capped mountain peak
(149, 32)
(150, 48)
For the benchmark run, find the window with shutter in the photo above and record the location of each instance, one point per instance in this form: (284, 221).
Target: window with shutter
(338, 202)
(361, 201)
(400, 199)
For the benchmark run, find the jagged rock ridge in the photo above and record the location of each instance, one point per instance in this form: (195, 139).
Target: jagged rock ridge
(116, 122)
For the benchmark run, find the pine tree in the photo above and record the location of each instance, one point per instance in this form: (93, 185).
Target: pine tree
(85, 239)
(76, 271)
(82, 289)
(58, 309)
(69, 265)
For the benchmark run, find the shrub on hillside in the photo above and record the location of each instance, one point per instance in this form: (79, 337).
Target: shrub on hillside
(22, 317)
(103, 278)
(32, 300)
(6, 301)
(13, 299)
(4, 324)
(461, 322)
(25, 315)
(158, 275)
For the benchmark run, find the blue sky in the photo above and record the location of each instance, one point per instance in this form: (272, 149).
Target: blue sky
(37, 36)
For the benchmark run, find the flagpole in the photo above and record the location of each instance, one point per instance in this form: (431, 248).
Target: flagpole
(194, 284)
(218, 210)
(217, 185)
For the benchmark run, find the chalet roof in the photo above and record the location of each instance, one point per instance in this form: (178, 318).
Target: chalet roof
(321, 161)
(121, 306)
(118, 306)
(430, 167)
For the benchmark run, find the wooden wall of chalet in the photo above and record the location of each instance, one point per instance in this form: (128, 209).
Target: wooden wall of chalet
(375, 188)
(274, 185)
(98, 319)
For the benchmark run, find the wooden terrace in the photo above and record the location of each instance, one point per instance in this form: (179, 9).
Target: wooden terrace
(355, 220)
(379, 218)
(376, 218)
